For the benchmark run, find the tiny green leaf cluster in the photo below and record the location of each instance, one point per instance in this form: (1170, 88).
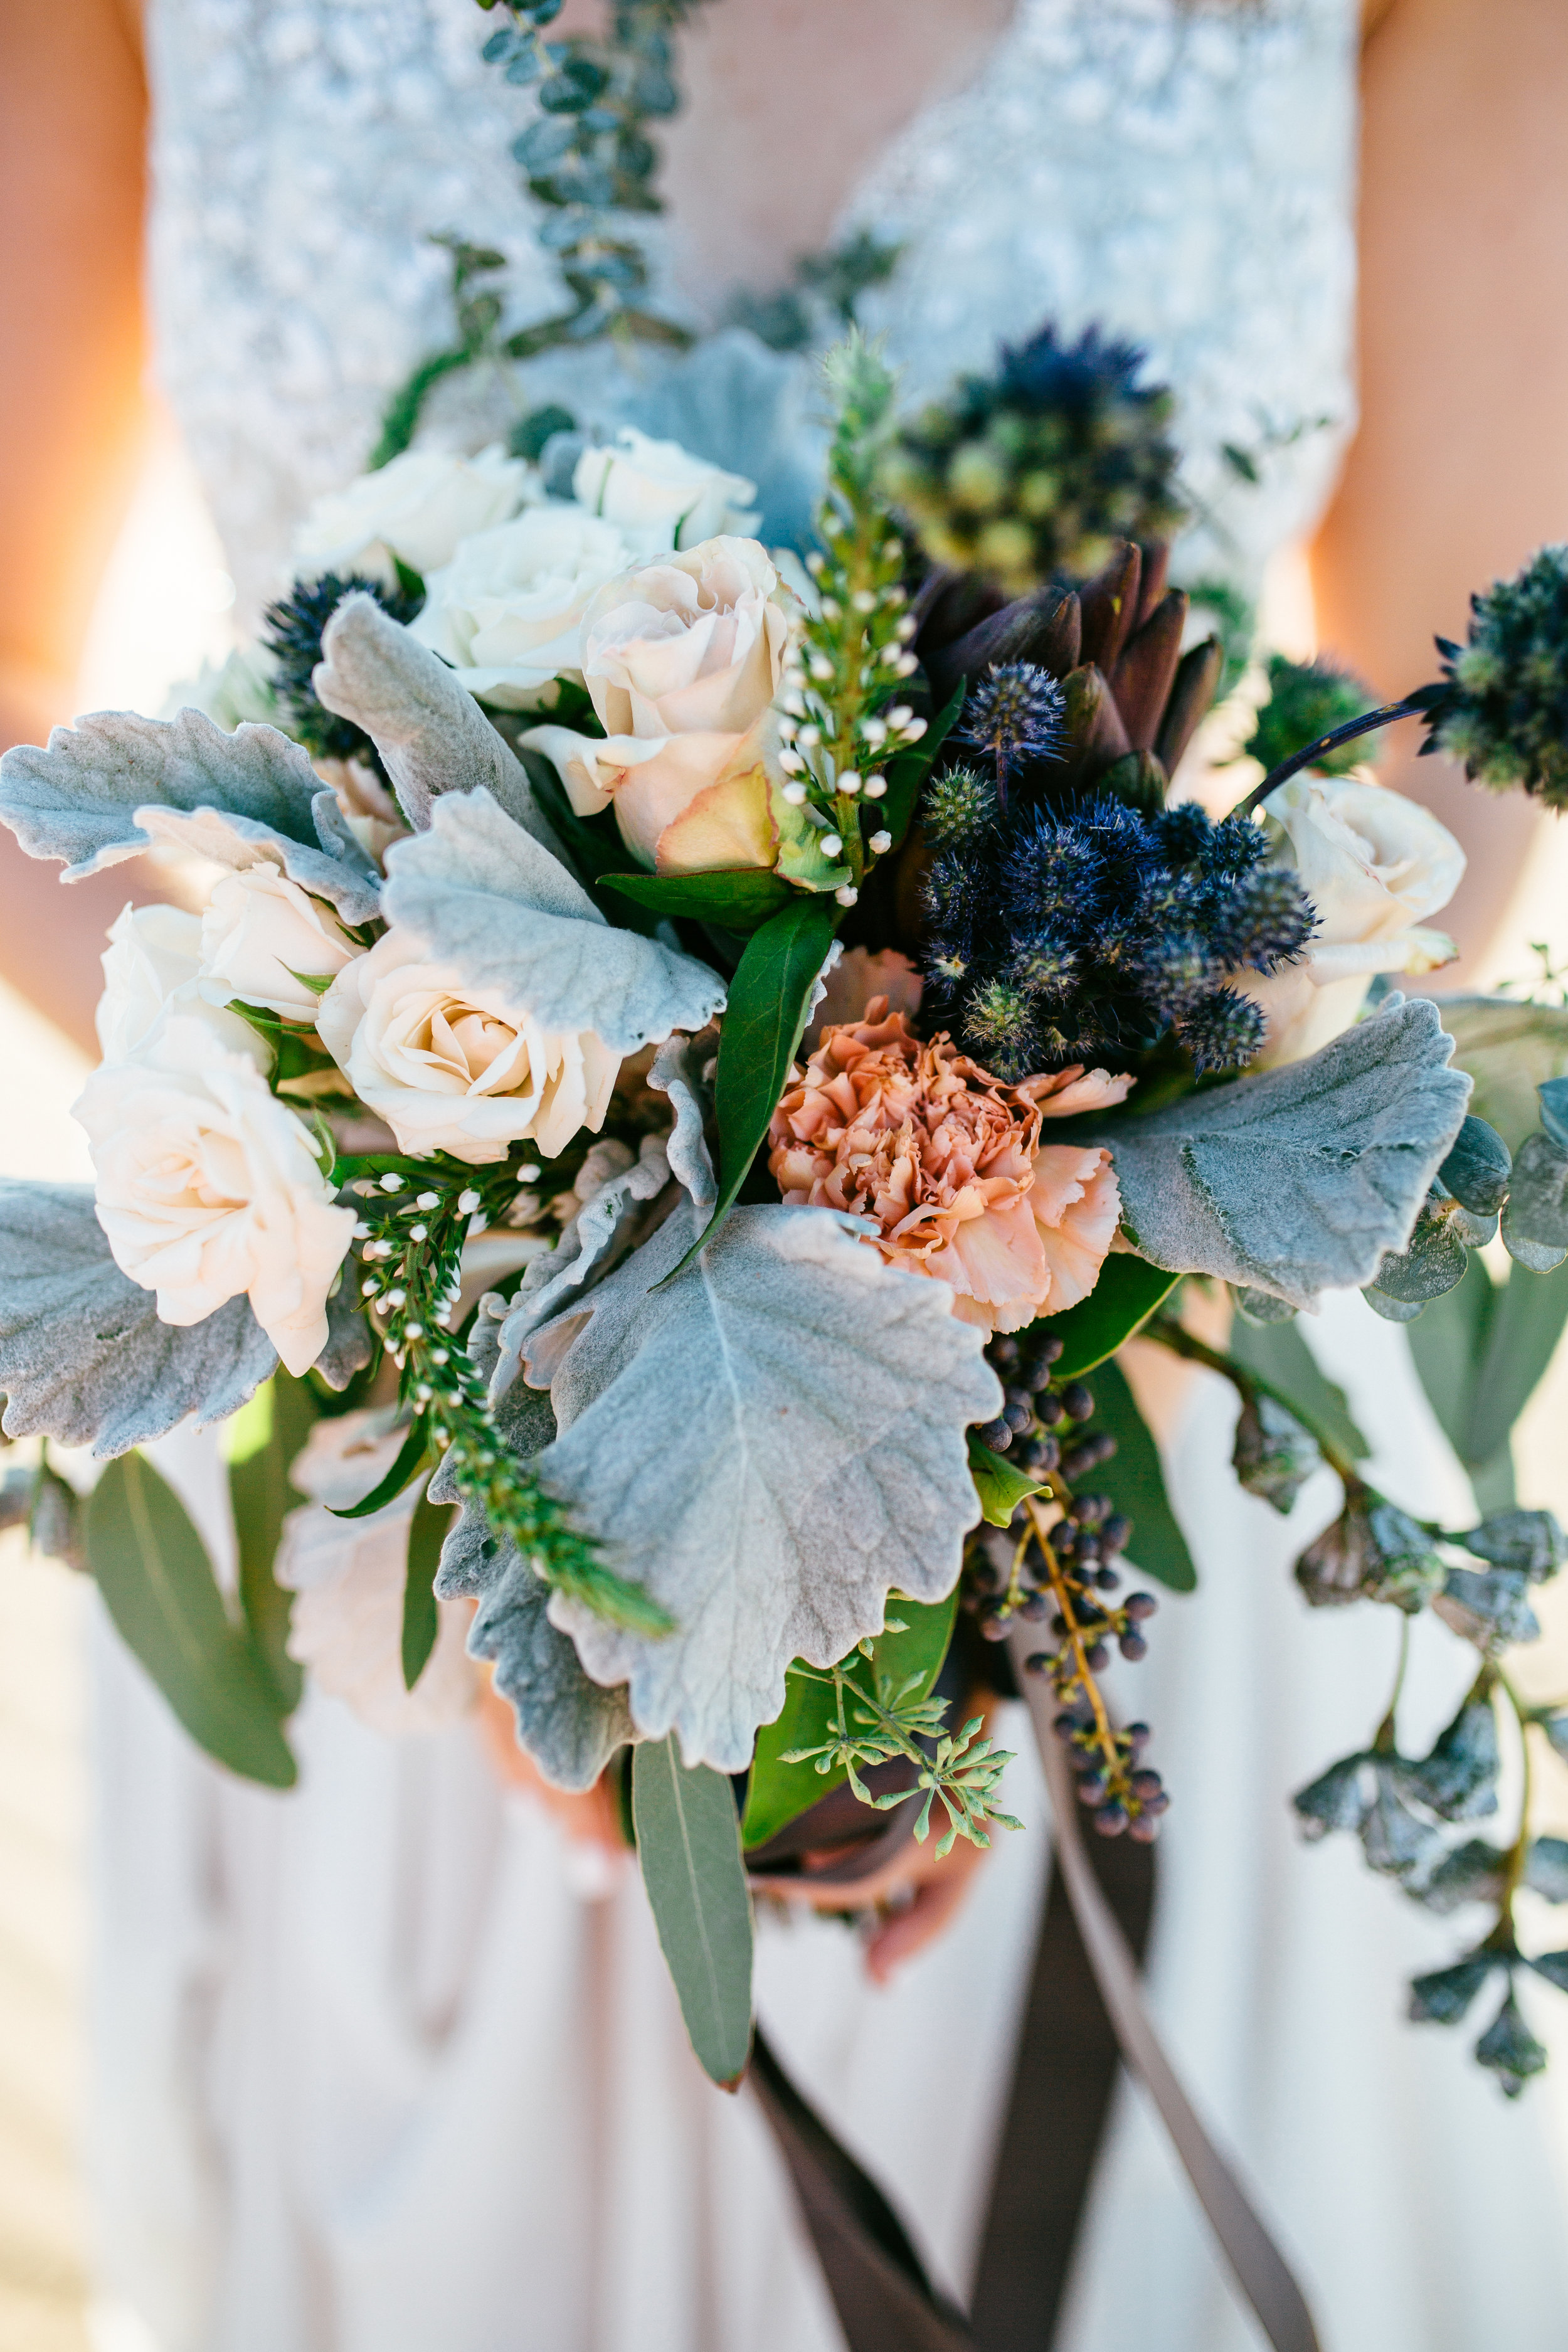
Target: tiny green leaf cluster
(1306, 700)
(887, 1720)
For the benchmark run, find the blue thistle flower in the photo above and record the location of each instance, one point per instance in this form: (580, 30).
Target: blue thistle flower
(1264, 921)
(958, 806)
(291, 631)
(1014, 712)
(1222, 1031)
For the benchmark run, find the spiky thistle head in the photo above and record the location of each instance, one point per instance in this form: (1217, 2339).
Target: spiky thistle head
(291, 631)
(1016, 713)
(1306, 699)
(1263, 920)
(1041, 466)
(1222, 1031)
(958, 806)
(999, 1028)
(1502, 706)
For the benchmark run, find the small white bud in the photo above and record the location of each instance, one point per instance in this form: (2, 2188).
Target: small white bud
(370, 1287)
(913, 730)
(901, 715)
(848, 896)
(810, 737)
(361, 1230)
(793, 702)
(793, 677)
(392, 1181)
(831, 610)
(414, 1331)
(849, 781)
(890, 654)
(528, 1175)
(881, 841)
(443, 1439)
(795, 794)
(467, 1201)
(908, 625)
(397, 1298)
(791, 763)
(815, 562)
(423, 1392)
(440, 1355)
(420, 1233)
(428, 1201)
(907, 664)
(832, 845)
(874, 731)
(864, 599)
(873, 787)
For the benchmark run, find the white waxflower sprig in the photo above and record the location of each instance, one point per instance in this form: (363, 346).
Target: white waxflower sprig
(839, 721)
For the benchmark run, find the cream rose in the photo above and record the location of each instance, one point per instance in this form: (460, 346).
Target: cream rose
(346, 1625)
(414, 509)
(1374, 865)
(454, 1069)
(153, 960)
(507, 611)
(208, 1187)
(259, 932)
(659, 491)
(682, 660)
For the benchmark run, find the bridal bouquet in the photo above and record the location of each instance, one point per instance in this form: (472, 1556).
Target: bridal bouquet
(684, 1062)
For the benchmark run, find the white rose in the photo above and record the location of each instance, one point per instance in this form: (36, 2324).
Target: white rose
(259, 931)
(153, 960)
(208, 1187)
(416, 508)
(1374, 865)
(346, 1626)
(507, 611)
(682, 660)
(659, 491)
(454, 1068)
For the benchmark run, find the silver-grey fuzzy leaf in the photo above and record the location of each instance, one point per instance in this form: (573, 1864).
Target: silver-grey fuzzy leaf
(1300, 1180)
(484, 896)
(604, 1230)
(768, 1445)
(432, 736)
(344, 876)
(83, 1355)
(78, 799)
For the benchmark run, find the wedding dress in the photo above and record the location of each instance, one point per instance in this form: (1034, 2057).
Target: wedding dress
(379, 2071)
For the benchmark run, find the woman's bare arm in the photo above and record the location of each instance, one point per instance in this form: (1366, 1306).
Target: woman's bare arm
(72, 136)
(1461, 466)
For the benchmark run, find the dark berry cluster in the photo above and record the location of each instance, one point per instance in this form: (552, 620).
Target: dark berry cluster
(291, 631)
(1040, 467)
(1091, 935)
(1125, 1795)
(1502, 706)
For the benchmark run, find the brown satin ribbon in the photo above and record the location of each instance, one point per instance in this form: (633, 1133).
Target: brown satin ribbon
(1084, 2009)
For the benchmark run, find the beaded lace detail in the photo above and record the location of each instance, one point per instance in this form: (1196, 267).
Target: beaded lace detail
(1182, 175)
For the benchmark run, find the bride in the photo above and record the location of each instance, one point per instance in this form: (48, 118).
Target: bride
(392, 2061)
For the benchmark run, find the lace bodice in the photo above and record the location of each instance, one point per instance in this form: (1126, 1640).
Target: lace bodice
(1179, 173)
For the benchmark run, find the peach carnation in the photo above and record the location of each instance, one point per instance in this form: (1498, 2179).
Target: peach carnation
(949, 1162)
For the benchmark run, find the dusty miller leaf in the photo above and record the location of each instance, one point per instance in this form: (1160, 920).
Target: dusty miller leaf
(83, 1355)
(483, 895)
(767, 1445)
(432, 736)
(86, 797)
(1300, 1180)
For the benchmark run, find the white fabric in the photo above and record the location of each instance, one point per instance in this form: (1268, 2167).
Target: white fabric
(372, 2076)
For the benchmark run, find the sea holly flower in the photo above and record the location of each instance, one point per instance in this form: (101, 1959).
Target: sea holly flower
(949, 1164)
(1502, 705)
(209, 1187)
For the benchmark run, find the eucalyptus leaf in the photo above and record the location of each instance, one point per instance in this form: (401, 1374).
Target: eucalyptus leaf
(769, 1443)
(1126, 1294)
(1507, 1049)
(1552, 1096)
(777, 1792)
(1298, 1180)
(1442, 1997)
(79, 799)
(1477, 1168)
(83, 1355)
(1135, 1483)
(484, 896)
(427, 1530)
(689, 1844)
(1433, 1261)
(739, 899)
(432, 736)
(1281, 1355)
(1535, 1215)
(157, 1583)
(261, 1443)
(771, 998)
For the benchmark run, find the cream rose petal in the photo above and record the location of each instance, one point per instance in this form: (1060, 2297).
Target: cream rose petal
(259, 932)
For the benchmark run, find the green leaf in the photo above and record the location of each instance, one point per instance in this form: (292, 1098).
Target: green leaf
(999, 1483)
(1136, 1484)
(776, 1793)
(769, 998)
(689, 1844)
(409, 1463)
(427, 1531)
(1447, 1346)
(1121, 1301)
(260, 1443)
(1279, 1354)
(1521, 1342)
(158, 1585)
(908, 771)
(739, 898)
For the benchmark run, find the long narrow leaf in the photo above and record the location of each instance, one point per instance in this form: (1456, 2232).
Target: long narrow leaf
(770, 998)
(157, 1583)
(407, 1467)
(1136, 1484)
(262, 1441)
(1521, 1342)
(427, 1531)
(689, 1844)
